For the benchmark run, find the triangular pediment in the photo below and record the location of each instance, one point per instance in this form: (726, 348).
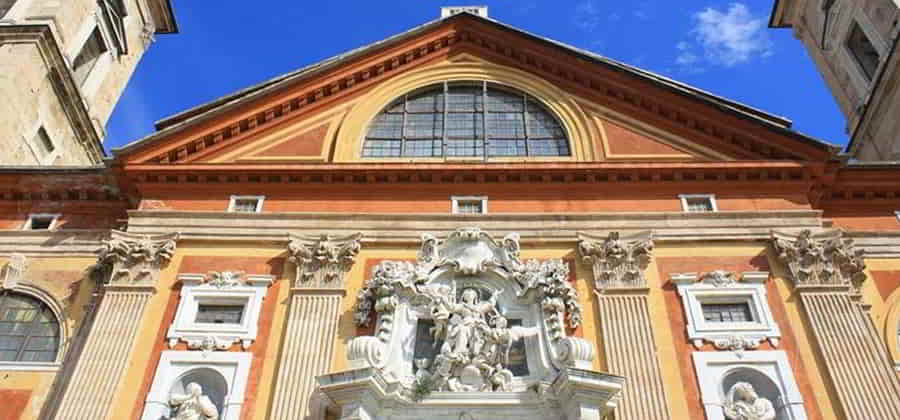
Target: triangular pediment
(632, 115)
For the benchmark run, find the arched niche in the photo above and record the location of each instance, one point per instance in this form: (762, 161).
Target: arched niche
(764, 386)
(214, 385)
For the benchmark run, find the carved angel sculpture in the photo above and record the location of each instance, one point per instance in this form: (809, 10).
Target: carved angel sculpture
(742, 403)
(194, 405)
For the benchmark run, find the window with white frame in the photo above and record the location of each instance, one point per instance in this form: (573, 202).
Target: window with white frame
(767, 372)
(246, 203)
(727, 312)
(41, 221)
(863, 51)
(469, 204)
(88, 56)
(698, 203)
(217, 310)
(222, 377)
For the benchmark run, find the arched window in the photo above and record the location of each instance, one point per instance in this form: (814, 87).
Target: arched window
(29, 331)
(465, 119)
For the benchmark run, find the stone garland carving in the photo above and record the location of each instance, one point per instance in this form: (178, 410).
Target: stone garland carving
(194, 405)
(617, 263)
(742, 403)
(135, 259)
(475, 336)
(828, 259)
(323, 261)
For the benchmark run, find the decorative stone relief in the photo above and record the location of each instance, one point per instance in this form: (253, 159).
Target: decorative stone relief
(135, 259)
(617, 262)
(14, 271)
(742, 403)
(194, 405)
(226, 287)
(723, 287)
(826, 259)
(322, 262)
(468, 316)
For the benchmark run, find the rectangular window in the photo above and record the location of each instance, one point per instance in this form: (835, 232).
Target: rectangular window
(698, 203)
(469, 205)
(41, 221)
(727, 312)
(219, 314)
(246, 204)
(42, 144)
(861, 48)
(87, 58)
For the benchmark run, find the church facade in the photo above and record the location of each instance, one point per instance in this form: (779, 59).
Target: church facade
(462, 221)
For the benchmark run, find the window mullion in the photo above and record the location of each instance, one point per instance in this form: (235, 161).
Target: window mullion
(403, 126)
(525, 121)
(484, 131)
(444, 125)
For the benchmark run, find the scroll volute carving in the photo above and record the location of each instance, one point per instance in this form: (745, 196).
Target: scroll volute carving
(826, 259)
(135, 260)
(618, 262)
(324, 261)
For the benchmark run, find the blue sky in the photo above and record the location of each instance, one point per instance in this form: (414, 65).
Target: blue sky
(724, 47)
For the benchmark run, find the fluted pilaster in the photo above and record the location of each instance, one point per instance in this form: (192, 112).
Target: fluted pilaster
(312, 322)
(622, 298)
(130, 264)
(827, 271)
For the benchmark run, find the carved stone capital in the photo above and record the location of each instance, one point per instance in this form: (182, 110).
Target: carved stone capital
(821, 260)
(135, 260)
(618, 263)
(324, 261)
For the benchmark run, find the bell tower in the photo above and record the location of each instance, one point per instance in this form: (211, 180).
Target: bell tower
(63, 67)
(853, 44)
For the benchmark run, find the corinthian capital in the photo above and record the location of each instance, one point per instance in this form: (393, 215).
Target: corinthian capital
(825, 259)
(135, 259)
(618, 263)
(322, 262)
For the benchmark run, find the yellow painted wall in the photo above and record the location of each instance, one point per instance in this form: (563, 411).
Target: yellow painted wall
(65, 280)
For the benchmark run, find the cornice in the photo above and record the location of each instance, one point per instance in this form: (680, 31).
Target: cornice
(406, 228)
(41, 35)
(878, 244)
(60, 243)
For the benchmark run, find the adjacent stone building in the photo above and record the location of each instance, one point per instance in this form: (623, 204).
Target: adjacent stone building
(854, 45)
(63, 66)
(462, 221)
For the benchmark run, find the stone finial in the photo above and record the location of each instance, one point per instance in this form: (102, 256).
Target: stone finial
(826, 259)
(135, 259)
(618, 263)
(322, 262)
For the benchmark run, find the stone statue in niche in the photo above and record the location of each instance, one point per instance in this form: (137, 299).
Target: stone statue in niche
(742, 403)
(194, 405)
(475, 342)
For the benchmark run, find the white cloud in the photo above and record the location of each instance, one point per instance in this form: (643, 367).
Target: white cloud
(587, 16)
(731, 37)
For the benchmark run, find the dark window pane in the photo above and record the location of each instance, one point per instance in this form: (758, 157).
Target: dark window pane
(381, 148)
(500, 101)
(464, 125)
(506, 125)
(464, 98)
(503, 147)
(557, 147)
(727, 312)
(863, 51)
(220, 314)
(424, 126)
(387, 126)
(423, 148)
(465, 147)
(431, 101)
(28, 329)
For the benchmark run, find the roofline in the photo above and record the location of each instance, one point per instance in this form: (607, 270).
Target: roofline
(186, 118)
